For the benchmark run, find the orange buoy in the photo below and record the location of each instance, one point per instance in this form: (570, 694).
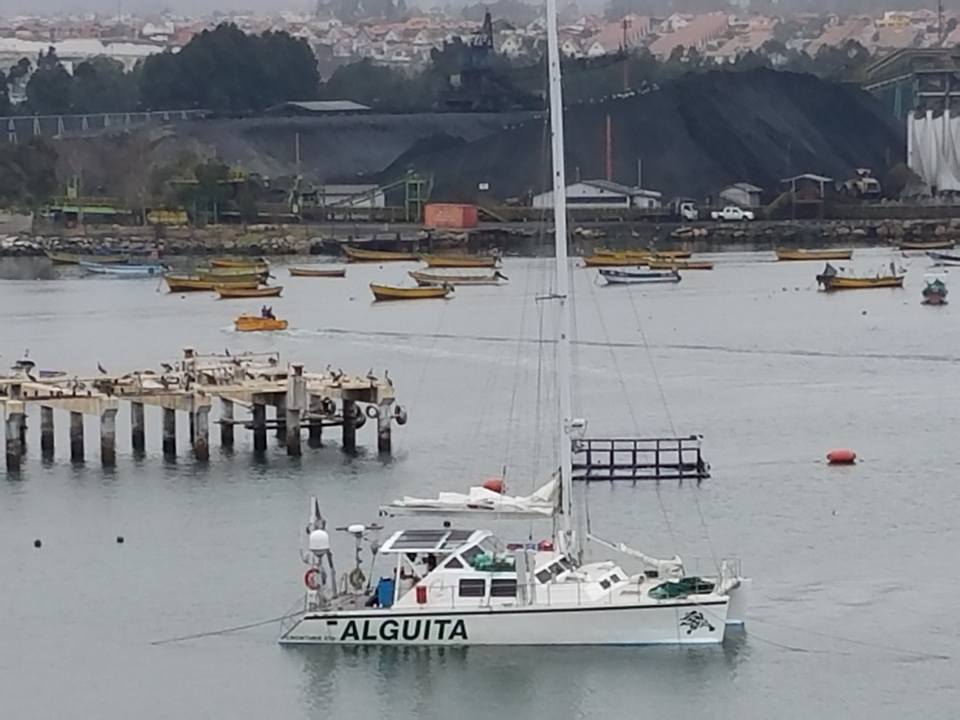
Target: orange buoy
(493, 484)
(841, 456)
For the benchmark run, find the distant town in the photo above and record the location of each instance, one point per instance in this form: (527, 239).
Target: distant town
(405, 41)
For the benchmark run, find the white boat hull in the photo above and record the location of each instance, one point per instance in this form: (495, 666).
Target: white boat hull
(681, 623)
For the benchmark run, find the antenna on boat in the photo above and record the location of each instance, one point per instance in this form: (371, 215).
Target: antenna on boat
(571, 543)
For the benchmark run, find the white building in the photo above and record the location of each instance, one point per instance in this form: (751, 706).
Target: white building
(602, 194)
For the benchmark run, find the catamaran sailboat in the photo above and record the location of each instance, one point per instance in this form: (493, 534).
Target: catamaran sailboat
(456, 583)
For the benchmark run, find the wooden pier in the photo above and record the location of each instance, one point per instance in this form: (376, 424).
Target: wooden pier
(253, 382)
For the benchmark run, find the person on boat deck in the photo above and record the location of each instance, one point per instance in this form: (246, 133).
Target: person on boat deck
(431, 562)
(267, 313)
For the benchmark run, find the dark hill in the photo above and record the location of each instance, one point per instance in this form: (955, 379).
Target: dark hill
(694, 136)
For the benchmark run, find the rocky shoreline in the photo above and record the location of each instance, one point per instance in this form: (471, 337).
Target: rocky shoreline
(517, 239)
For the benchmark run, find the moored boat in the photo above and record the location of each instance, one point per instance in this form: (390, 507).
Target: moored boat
(122, 270)
(389, 292)
(355, 254)
(427, 279)
(638, 277)
(460, 261)
(195, 283)
(316, 272)
(927, 244)
(934, 290)
(832, 279)
(255, 323)
(261, 271)
(614, 260)
(255, 262)
(785, 254)
(65, 258)
(232, 292)
(944, 259)
(657, 264)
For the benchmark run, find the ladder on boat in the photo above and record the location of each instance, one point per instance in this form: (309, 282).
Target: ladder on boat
(636, 459)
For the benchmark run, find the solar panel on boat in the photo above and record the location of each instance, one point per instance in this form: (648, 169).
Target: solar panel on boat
(444, 539)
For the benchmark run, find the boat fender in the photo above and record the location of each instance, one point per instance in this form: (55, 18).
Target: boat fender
(359, 419)
(400, 415)
(841, 456)
(328, 406)
(357, 578)
(372, 412)
(310, 579)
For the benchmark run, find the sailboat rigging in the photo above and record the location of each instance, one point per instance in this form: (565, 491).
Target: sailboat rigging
(456, 585)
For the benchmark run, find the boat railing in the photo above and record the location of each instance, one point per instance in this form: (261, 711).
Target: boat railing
(664, 458)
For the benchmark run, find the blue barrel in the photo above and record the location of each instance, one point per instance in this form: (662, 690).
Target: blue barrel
(385, 592)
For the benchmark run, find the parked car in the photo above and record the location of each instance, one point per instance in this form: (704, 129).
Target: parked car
(732, 213)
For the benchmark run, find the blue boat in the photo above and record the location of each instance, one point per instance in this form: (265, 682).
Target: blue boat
(128, 270)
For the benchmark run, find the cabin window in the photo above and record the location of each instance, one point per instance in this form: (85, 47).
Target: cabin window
(454, 563)
(544, 576)
(615, 578)
(471, 554)
(605, 584)
(503, 587)
(473, 588)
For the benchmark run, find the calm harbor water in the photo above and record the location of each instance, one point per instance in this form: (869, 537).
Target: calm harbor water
(854, 605)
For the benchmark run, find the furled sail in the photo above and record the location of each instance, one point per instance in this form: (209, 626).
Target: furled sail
(541, 503)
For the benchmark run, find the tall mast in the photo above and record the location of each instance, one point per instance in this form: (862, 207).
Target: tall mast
(571, 542)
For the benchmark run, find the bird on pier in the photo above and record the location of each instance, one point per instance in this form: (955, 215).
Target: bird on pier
(167, 367)
(226, 351)
(102, 369)
(386, 376)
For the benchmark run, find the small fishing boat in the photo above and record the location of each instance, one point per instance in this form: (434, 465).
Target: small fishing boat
(657, 264)
(831, 279)
(670, 254)
(127, 270)
(233, 278)
(427, 279)
(638, 277)
(389, 292)
(256, 323)
(359, 255)
(256, 262)
(927, 244)
(944, 259)
(232, 292)
(226, 272)
(195, 283)
(614, 260)
(338, 272)
(65, 258)
(934, 290)
(460, 261)
(786, 254)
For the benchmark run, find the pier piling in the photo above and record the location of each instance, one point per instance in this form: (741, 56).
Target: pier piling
(281, 418)
(200, 421)
(259, 412)
(108, 437)
(138, 437)
(14, 447)
(226, 426)
(76, 436)
(349, 425)
(46, 432)
(384, 441)
(315, 438)
(294, 404)
(169, 432)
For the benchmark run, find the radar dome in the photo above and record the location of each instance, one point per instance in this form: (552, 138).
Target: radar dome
(319, 541)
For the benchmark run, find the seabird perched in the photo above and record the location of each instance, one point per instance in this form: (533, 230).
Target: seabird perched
(102, 369)
(386, 376)
(167, 367)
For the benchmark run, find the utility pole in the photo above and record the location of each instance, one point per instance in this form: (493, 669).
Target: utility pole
(940, 27)
(624, 24)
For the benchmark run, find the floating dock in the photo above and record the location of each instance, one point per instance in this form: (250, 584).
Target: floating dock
(251, 381)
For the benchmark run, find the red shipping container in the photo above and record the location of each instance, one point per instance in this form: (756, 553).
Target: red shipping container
(449, 215)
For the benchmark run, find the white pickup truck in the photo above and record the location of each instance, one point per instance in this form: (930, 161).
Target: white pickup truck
(731, 213)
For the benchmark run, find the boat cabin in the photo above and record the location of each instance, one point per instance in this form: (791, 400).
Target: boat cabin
(453, 568)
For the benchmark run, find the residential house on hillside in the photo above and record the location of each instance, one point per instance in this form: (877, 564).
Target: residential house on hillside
(696, 33)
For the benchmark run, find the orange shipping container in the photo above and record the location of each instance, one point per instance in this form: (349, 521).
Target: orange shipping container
(449, 215)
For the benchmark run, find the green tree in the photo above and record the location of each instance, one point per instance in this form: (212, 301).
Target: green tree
(4, 95)
(101, 85)
(27, 172)
(49, 89)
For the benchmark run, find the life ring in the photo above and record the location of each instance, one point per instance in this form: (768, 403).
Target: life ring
(310, 579)
(372, 411)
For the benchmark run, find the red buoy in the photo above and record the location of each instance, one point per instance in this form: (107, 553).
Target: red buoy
(841, 456)
(493, 484)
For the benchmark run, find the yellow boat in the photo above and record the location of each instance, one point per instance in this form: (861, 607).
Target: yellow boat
(614, 260)
(387, 292)
(64, 258)
(671, 254)
(232, 292)
(658, 264)
(318, 272)
(459, 261)
(784, 254)
(226, 272)
(830, 279)
(257, 263)
(193, 283)
(360, 255)
(233, 278)
(254, 323)
(426, 279)
(927, 244)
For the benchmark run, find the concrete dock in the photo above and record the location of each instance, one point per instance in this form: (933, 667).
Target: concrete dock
(242, 383)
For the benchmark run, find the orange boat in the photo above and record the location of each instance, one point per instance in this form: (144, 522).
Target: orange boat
(255, 323)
